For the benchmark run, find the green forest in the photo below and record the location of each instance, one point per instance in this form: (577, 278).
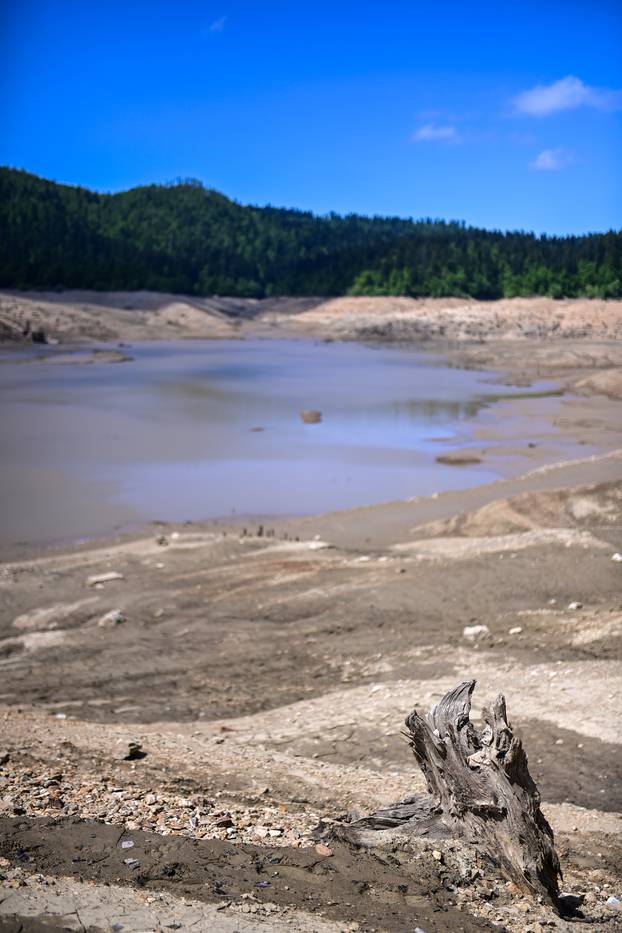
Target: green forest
(190, 239)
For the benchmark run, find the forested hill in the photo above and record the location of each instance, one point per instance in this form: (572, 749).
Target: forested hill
(188, 239)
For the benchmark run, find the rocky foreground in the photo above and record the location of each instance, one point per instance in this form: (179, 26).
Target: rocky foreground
(187, 714)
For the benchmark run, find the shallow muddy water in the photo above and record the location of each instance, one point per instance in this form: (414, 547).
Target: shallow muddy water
(202, 429)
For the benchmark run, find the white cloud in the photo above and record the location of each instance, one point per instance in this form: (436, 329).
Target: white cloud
(551, 160)
(431, 133)
(566, 94)
(218, 25)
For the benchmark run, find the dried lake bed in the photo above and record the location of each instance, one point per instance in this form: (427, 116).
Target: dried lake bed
(267, 678)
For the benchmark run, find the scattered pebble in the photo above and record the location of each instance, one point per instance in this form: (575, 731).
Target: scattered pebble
(114, 617)
(575, 605)
(617, 557)
(323, 850)
(101, 578)
(128, 750)
(33, 792)
(471, 632)
(516, 630)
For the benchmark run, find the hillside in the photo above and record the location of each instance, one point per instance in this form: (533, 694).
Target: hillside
(188, 239)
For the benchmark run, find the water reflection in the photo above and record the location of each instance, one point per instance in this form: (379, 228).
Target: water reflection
(173, 434)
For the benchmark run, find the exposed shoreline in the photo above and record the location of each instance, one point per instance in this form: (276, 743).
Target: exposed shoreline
(267, 678)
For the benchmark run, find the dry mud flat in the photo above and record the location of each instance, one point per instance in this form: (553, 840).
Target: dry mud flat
(187, 713)
(266, 681)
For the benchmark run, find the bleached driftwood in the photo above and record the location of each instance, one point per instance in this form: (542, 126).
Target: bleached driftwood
(479, 790)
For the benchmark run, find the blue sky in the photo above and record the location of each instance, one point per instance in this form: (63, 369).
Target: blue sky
(504, 114)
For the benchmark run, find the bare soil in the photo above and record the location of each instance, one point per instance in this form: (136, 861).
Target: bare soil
(266, 680)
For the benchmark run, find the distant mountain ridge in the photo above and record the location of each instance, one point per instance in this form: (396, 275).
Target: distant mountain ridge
(189, 239)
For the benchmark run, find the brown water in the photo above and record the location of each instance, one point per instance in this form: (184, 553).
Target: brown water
(193, 430)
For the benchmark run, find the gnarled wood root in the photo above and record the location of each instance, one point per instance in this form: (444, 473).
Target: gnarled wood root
(479, 790)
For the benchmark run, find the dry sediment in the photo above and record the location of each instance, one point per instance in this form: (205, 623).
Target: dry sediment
(237, 668)
(234, 664)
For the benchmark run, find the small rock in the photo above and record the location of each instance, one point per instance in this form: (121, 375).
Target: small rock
(516, 630)
(127, 844)
(575, 605)
(131, 862)
(128, 751)
(437, 854)
(104, 578)
(471, 632)
(114, 617)
(570, 901)
(225, 821)
(323, 850)
(310, 416)
(613, 903)
(616, 558)
(4, 758)
(162, 540)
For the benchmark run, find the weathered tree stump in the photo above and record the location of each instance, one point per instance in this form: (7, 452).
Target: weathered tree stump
(479, 791)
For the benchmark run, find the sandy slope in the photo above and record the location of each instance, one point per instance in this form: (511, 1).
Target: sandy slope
(79, 317)
(70, 316)
(458, 319)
